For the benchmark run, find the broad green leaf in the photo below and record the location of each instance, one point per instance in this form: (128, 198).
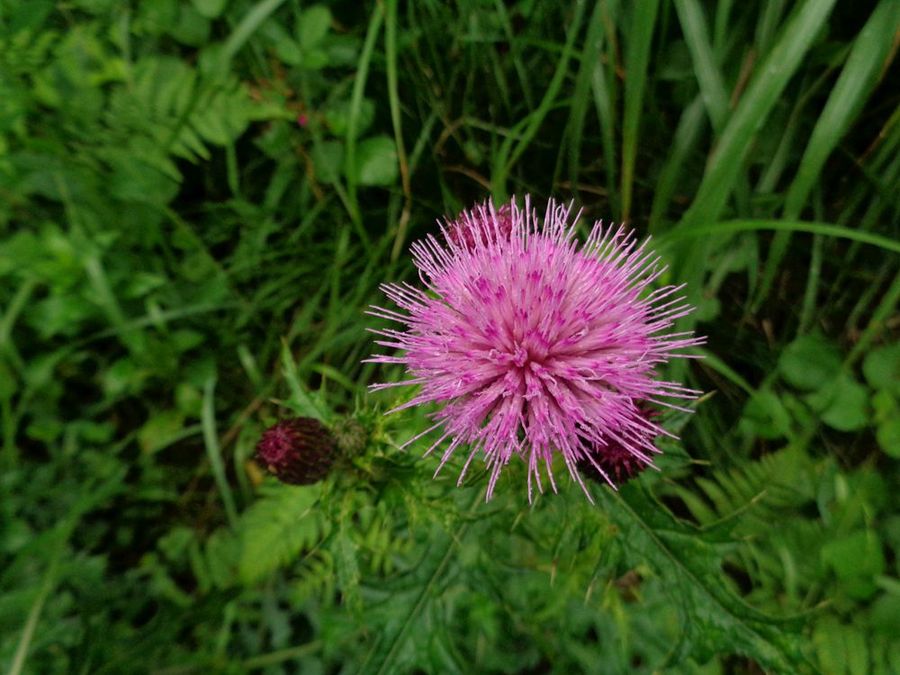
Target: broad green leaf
(222, 554)
(888, 435)
(882, 368)
(338, 117)
(160, 430)
(376, 161)
(810, 362)
(843, 403)
(285, 46)
(313, 26)
(209, 8)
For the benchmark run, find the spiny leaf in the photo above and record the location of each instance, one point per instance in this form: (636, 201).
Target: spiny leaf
(276, 528)
(689, 562)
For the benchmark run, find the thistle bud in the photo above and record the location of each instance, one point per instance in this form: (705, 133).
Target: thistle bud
(616, 461)
(480, 224)
(350, 436)
(298, 451)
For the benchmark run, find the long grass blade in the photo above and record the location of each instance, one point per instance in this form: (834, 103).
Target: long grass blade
(640, 35)
(856, 82)
(725, 162)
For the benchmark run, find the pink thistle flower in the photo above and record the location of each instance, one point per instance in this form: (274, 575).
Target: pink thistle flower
(534, 345)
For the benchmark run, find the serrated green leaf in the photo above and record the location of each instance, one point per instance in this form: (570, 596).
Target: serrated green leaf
(689, 563)
(347, 568)
(276, 528)
(222, 554)
(765, 415)
(841, 649)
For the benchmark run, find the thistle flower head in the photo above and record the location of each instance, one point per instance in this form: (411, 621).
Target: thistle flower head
(298, 451)
(534, 345)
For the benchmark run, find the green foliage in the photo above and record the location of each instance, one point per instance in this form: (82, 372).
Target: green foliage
(198, 200)
(688, 563)
(281, 523)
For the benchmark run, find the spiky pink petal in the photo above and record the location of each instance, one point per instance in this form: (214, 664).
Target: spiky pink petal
(533, 344)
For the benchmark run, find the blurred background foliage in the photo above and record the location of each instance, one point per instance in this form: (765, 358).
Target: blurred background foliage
(198, 199)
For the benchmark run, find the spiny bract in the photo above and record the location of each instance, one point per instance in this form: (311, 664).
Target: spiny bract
(532, 344)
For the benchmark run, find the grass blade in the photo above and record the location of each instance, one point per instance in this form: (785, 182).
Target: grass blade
(509, 155)
(214, 451)
(735, 226)
(359, 87)
(725, 163)
(248, 25)
(855, 84)
(638, 56)
(712, 87)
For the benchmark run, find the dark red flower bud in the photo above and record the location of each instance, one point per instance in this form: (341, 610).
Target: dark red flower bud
(481, 225)
(616, 460)
(299, 451)
(618, 463)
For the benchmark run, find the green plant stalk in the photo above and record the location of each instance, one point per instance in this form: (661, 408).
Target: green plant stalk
(359, 87)
(885, 309)
(214, 452)
(390, 49)
(812, 284)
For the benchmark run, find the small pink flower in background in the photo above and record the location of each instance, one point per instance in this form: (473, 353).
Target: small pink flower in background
(302, 120)
(534, 345)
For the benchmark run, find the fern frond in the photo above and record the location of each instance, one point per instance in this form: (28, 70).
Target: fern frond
(274, 530)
